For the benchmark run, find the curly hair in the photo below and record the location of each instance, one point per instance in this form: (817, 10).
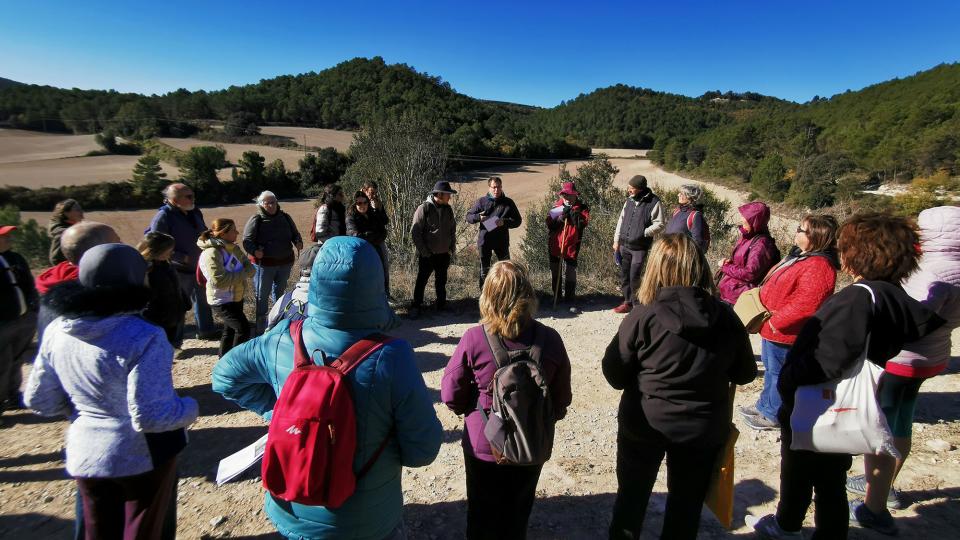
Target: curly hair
(61, 208)
(879, 247)
(508, 301)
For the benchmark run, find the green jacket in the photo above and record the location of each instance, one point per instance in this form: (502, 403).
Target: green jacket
(226, 269)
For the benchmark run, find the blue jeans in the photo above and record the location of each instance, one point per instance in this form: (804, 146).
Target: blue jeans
(268, 282)
(773, 355)
(201, 310)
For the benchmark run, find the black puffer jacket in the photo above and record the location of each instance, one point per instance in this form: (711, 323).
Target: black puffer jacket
(167, 299)
(674, 360)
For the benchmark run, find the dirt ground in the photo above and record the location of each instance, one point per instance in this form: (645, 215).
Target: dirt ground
(578, 486)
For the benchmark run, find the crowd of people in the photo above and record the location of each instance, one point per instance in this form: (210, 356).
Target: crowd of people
(111, 320)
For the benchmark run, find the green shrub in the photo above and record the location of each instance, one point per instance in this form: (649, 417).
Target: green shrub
(29, 240)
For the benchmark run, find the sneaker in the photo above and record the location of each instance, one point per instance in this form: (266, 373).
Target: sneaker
(573, 310)
(761, 423)
(883, 523)
(623, 308)
(767, 528)
(857, 485)
(749, 410)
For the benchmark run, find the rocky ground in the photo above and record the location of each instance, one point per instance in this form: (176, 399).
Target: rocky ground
(576, 490)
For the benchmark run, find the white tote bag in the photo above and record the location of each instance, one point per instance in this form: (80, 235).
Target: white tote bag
(842, 416)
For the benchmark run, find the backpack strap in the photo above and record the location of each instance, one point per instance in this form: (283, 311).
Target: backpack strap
(376, 455)
(359, 351)
(497, 348)
(301, 358)
(690, 217)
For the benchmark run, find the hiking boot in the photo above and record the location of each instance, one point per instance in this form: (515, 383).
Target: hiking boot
(623, 308)
(761, 423)
(767, 528)
(749, 410)
(858, 486)
(883, 523)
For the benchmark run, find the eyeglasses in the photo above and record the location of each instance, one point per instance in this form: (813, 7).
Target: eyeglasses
(802, 230)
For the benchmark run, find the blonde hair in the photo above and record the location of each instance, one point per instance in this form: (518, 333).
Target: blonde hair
(155, 244)
(674, 261)
(218, 228)
(507, 302)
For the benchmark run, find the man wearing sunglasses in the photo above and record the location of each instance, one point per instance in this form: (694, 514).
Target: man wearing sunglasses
(180, 218)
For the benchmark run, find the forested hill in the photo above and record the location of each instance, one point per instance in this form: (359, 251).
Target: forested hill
(627, 117)
(4, 83)
(811, 154)
(346, 96)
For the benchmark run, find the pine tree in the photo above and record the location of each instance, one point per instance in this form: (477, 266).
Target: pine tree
(148, 178)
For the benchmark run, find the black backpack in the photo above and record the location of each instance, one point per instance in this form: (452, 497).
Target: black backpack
(520, 426)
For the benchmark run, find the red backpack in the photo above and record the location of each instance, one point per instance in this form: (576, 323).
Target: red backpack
(706, 226)
(312, 438)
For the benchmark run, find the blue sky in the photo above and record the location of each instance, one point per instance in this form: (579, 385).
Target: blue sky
(537, 53)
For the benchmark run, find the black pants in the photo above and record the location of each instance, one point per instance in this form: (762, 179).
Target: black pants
(16, 338)
(486, 255)
(131, 507)
(499, 499)
(688, 476)
(236, 327)
(567, 289)
(801, 473)
(438, 263)
(631, 271)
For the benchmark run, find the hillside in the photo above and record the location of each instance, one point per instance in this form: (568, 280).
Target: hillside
(6, 83)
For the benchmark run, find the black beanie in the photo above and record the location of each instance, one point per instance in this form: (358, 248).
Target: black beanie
(638, 182)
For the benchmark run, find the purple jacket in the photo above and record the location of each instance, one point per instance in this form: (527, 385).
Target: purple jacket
(470, 373)
(753, 255)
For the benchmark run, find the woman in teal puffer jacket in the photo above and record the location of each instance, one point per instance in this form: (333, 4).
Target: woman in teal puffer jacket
(346, 303)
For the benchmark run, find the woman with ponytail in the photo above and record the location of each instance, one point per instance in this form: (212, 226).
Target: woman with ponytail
(225, 269)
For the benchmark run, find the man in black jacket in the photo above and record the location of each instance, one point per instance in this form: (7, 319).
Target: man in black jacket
(18, 318)
(497, 214)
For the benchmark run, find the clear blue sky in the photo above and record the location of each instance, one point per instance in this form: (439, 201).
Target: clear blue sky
(538, 53)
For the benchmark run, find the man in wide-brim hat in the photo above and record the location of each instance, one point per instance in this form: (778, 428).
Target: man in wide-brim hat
(434, 232)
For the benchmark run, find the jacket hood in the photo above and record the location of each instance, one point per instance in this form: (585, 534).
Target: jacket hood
(829, 254)
(940, 229)
(757, 215)
(346, 287)
(61, 273)
(211, 243)
(85, 307)
(689, 312)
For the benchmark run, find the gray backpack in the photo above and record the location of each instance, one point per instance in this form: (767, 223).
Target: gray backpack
(520, 425)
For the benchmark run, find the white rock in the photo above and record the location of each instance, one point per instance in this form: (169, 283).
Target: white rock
(217, 521)
(939, 445)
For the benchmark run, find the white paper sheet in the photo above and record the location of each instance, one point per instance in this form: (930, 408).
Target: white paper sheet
(556, 212)
(491, 223)
(234, 464)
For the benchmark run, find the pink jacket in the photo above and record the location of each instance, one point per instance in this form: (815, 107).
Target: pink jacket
(936, 284)
(753, 256)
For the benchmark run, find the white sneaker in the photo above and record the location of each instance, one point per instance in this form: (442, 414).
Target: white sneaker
(767, 528)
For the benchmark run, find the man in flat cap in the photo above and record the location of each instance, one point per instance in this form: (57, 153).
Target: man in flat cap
(640, 220)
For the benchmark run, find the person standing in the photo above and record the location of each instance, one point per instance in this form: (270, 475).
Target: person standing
(500, 497)
(65, 213)
(688, 217)
(330, 218)
(109, 371)
(434, 232)
(497, 214)
(167, 302)
(566, 222)
(269, 238)
(674, 356)
(364, 222)
(18, 318)
(872, 318)
(753, 255)
(378, 211)
(394, 411)
(640, 220)
(180, 218)
(794, 290)
(226, 271)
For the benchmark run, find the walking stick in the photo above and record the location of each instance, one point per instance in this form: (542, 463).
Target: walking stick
(560, 265)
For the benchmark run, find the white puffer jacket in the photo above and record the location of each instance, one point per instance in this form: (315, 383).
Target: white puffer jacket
(937, 285)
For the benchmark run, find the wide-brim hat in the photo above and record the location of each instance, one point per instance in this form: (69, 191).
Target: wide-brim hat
(568, 189)
(443, 187)
(7, 229)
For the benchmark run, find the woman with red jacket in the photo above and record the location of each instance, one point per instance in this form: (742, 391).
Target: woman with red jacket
(792, 293)
(566, 222)
(753, 255)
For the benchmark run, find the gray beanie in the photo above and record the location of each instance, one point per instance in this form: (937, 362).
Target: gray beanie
(638, 182)
(112, 265)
